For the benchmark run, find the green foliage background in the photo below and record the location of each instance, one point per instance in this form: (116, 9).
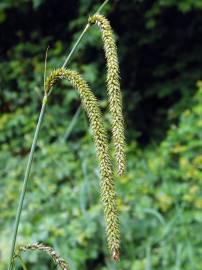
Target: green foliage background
(160, 197)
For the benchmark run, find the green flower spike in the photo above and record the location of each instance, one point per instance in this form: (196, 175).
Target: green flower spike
(60, 262)
(113, 88)
(108, 195)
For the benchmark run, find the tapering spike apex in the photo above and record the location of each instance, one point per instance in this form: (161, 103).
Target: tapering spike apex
(113, 87)
(108, 195)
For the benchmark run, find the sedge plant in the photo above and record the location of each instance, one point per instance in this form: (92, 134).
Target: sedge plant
(90, 104)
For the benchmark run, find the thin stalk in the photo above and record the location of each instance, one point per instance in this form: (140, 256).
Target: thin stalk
(76, 45)
(101, 7)
(71, 125)
(22, 263)
(24, 187)
(31, 154)
(82, 34)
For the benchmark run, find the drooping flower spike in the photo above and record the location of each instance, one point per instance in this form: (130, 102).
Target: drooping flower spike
(113, 88)
(108, 195)
(60, 262)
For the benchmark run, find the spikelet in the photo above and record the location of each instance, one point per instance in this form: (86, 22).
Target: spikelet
(108, 195)
(50, 251)
(113, 87)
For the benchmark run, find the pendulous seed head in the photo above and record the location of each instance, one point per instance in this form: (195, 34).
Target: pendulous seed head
(108, 195)
(113, 88)
(49, 250)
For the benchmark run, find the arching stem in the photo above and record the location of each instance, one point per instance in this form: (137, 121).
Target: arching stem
(31, 154)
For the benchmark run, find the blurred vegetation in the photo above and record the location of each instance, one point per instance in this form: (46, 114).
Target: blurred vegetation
(160, 197)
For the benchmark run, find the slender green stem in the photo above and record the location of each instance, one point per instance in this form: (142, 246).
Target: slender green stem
(22, 263)
(31, 154)
(71, 125)
(76, 45)
(101, 7)
(82, 34)
(24, 187)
